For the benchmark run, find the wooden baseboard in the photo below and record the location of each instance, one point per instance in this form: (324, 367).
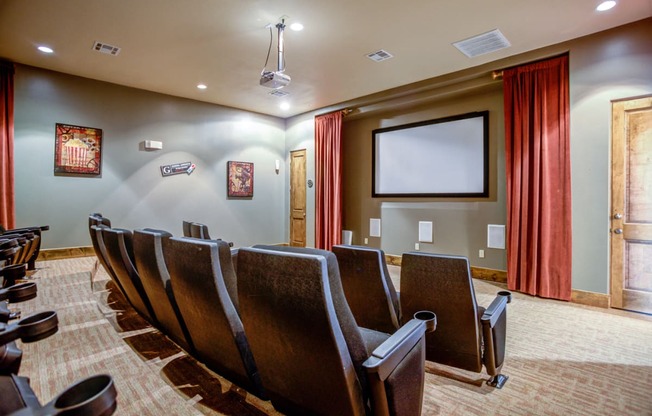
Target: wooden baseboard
(499, 276)
(581, 297)
(65, 253)
(600, 300)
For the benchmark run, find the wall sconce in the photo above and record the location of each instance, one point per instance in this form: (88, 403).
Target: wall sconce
(277, 166)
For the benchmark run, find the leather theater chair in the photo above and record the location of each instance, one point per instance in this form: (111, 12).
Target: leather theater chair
(120, 254)
(208, 310)
(186, 228)
(96, 221)
(468, 336)
(149, 261)
(312, 356)
(30, 259)
(198, 230)
(368, 287)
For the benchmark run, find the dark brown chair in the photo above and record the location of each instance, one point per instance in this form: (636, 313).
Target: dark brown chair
(368, 287)
(120, 254)
(149, 261)
(36, 230)
(198, 230)
(467, 335)
(208, 310)
(312, 357)
(187, 232)
(96, 221)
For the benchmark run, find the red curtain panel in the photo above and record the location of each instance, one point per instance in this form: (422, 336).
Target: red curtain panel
(7, 204)
(328, 192)
(537, 155)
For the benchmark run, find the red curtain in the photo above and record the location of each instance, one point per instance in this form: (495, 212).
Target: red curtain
(7, 209)
(328, 192)
(537, 154)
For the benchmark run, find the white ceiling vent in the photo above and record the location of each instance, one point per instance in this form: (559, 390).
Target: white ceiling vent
(106, 48)
(279, 93)
(380, 55)
(484, 43)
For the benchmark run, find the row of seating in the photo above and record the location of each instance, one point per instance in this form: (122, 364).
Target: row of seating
(468, 335)
(281, 328)
(93, 396)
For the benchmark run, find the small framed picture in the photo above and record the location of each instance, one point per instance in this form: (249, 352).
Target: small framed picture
(77, 150)
(240, 179)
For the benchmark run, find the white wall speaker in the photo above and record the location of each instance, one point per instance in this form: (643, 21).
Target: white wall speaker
(153, 145)
(496, 236)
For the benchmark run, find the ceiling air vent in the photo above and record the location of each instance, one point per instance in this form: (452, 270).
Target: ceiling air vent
(380, 55)
(279, 93)
(484, 43)
(106, 48)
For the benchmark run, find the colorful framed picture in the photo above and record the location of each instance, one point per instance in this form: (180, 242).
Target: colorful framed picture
(240, 179)
(77, 150)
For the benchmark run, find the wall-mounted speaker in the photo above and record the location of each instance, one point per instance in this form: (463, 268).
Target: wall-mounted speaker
(496, 236)
(153, 145)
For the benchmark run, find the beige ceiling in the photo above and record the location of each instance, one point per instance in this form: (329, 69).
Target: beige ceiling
(169, 46)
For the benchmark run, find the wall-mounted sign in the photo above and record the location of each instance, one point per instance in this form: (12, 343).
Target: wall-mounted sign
(177, 168)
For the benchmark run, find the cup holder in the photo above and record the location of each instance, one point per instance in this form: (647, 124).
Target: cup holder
(31, 329)
(429, 318)
(93, 396)
(506, 294)
(21, 292)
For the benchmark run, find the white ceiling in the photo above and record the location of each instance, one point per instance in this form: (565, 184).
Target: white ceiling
(170, 46)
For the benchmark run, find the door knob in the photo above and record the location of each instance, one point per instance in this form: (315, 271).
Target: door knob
(618, 231)
(618, 216)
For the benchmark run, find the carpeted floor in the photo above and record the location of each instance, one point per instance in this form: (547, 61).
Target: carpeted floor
(562, 359)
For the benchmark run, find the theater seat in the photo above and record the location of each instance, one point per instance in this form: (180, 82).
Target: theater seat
(468, 336)
(208, 310)
(312, 357)
(96, 221)
(30, 259)
(120, 254)
(149, 261)
(368, 287)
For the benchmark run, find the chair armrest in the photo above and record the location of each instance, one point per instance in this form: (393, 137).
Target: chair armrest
(494, 331)
(405, 349)
(386, 357)
(496, 308)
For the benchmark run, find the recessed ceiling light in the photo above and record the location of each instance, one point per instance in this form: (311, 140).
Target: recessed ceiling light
(285, 106)
(201, 86)
(605, 5)
(45, 49)
(296, 26)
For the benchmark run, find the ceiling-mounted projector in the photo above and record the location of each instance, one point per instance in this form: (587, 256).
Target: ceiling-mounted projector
(274, 80)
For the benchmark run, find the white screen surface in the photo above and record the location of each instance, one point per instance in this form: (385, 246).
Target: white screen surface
(434, 158)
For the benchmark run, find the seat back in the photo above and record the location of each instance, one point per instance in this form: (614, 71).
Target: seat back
(290, 317)
(186, 228)
(368, 287)
(208, 311)
(119, 250)
(198, 230)
(442, 284)
(149, 261)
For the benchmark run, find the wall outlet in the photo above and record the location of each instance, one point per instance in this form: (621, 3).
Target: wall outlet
(366, 240)
(416, 246)
(481, 254)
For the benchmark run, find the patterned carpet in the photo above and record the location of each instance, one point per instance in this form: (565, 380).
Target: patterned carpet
(562, 359)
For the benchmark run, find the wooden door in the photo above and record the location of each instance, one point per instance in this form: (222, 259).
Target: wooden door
(298, 198)
(631, 205)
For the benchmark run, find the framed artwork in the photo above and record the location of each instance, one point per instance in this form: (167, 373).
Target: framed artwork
(77, 150)
(240, 179)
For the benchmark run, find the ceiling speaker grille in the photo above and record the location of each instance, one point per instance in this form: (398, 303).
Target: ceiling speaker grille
(279, 93)
(484, 43)
(380, 55)
(106, 48)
